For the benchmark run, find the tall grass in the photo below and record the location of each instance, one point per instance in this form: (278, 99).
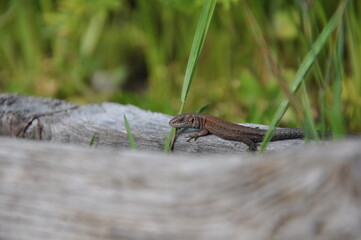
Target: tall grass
(137, 52)
(305, 66)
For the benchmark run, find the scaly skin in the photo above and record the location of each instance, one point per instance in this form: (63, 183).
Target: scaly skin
(228, 130)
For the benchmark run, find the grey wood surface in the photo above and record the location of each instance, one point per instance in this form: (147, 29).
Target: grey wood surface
(60, 121)
(61, 188)
(57, 191)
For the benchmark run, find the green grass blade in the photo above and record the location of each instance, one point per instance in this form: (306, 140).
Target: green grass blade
(203, 108)
(336, 118)
(92, 139)
(129, 133)
(309, 124)
(167, 147)
(304, 68)
(93, 33)
(197, 45)
(198, 41)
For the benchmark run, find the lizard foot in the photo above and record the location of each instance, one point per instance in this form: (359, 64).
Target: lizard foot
(252, 147)
(190, 137)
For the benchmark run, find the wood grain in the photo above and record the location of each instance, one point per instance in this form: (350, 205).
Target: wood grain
(59, 121)
(61, 188)
(56, 191)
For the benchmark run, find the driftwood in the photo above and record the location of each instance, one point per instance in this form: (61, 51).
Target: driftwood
(50, 190)
(55, 191)
(60, 121)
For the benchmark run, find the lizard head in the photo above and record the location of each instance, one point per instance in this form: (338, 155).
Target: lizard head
(185, 120)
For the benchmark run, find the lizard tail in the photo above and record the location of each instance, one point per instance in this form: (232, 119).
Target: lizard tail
(293, 133)
(287, 133)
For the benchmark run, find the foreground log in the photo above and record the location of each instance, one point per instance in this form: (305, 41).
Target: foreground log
(60, 121)
(55, 191)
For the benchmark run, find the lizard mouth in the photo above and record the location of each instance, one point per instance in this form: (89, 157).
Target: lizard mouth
(173, 123)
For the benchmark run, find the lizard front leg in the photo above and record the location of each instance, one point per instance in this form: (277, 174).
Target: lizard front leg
(202, 133)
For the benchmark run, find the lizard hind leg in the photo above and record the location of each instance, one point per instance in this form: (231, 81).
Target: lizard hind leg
(252, 146)
(202, 133)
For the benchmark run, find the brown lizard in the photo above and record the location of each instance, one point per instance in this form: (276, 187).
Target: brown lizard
(228, 130)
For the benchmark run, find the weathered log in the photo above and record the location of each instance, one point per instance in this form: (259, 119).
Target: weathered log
(53, 191)
(56, 191)
(60, 121)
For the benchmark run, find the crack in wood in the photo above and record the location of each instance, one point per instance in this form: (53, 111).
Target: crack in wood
(23, 131)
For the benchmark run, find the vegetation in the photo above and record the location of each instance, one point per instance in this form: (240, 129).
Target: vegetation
(129, 133)
(136, 51)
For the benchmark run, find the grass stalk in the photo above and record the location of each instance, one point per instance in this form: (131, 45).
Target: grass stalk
(197, 45)
(304, 68)
(129, 133)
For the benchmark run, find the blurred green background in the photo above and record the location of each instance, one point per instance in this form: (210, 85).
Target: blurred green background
(136, 51)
